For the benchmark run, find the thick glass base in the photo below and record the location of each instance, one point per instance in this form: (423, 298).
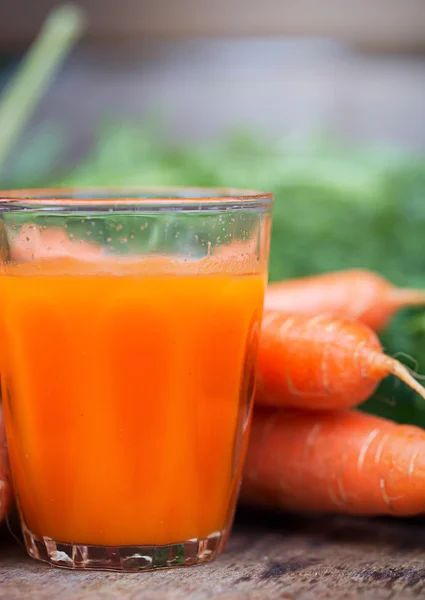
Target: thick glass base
(124, 558)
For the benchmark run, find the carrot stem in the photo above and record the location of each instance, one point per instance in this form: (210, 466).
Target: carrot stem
(61, 30)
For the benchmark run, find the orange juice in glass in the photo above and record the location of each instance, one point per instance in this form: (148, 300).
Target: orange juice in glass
(129, 323)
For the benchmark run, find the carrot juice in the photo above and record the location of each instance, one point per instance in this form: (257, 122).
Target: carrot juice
(127, 399)
(129, 324)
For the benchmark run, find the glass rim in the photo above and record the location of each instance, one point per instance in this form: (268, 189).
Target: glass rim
(112, 198)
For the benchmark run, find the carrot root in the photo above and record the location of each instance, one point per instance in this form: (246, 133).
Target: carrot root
(401, 297)
(5, 487)
(321, 363)
(341, 462)
(356, 294)
(403, 373)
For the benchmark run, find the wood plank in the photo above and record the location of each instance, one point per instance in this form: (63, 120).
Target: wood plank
(269, 557)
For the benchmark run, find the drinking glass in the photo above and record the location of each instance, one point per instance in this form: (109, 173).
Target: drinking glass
(129, 326)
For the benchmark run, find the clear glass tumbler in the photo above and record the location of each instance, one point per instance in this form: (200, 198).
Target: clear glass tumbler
(129, 325)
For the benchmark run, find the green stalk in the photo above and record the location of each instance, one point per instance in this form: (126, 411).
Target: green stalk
(62, 28)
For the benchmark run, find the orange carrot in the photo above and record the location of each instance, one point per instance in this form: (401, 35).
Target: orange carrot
(33, 242)
(321, 362)
(356, 294)
(345, 462)
(5, 488)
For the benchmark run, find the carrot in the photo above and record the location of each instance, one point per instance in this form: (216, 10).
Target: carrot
(321, 362)
(345, 462)
(357, 294)
(33, 242)
(5, 488)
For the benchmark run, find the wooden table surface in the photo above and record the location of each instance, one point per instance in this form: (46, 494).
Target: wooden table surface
(268, 557)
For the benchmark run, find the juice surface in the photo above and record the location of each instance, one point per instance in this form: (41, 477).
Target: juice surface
(126, 399)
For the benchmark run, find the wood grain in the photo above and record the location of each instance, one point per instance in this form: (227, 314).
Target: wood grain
(269, 557)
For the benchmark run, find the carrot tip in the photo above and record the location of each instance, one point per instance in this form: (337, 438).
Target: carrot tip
(402, 372)
(408, 297)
